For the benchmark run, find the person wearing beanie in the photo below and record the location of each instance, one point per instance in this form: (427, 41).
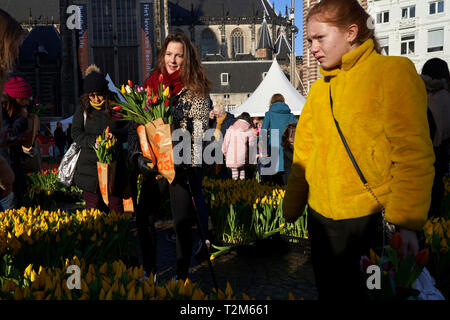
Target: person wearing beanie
(12, 35)
(91, 118)
(436, 75)
(15, 125)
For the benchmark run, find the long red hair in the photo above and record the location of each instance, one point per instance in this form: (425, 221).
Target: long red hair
(343, 13)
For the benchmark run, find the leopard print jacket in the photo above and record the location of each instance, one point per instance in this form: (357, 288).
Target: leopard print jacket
(191, 113)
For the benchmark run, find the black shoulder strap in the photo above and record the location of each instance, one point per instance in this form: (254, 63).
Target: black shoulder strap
(355, 164)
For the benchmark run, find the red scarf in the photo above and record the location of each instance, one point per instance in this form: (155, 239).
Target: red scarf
(172, 80)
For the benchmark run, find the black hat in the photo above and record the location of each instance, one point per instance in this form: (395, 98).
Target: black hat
(94, 81)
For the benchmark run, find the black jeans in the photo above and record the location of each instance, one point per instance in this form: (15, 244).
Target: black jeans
(336, 250)
(146, 212)
(184, 215)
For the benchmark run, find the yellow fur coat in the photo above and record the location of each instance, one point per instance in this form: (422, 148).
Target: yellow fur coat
(381, 105)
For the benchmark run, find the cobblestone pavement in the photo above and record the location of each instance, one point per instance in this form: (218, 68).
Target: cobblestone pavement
(272, 274)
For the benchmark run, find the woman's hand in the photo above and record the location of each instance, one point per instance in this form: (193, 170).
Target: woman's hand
(410, 243)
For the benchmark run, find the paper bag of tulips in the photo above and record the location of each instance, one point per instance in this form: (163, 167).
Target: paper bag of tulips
(105, 148)
(151, 111)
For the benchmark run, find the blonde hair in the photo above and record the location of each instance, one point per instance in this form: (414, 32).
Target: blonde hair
(218, 108)
(10, 31)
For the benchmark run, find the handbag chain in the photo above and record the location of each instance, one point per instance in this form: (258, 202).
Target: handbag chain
(385, 223)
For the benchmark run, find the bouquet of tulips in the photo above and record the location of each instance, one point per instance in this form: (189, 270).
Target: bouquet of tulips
(397, 275)
(144, 105)
(152, 112)
(105, 148)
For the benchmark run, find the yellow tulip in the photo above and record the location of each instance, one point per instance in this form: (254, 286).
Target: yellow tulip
(166, 93)
(122, 90)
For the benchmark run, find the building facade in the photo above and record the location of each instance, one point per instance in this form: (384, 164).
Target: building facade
(123, 38)
(417, 29)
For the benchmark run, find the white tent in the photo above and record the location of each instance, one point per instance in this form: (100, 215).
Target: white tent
(274, 82)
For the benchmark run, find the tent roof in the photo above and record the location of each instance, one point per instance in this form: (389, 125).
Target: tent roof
(274, 82)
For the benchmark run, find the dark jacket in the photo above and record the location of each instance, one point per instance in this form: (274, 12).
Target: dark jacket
(86, 176)
(277, 118)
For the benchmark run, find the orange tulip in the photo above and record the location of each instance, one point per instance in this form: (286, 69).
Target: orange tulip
(396, 241)
(155, 99)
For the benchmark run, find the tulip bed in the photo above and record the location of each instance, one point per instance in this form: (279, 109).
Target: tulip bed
(243, 211)
(35, 244)
(44, 238)
(109, 281)
(44, 189)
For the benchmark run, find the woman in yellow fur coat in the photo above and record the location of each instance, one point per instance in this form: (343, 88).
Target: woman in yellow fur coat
(380, 104)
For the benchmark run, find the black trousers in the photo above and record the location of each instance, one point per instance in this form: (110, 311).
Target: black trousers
(146, 212)
(184, 215)
(336, 250)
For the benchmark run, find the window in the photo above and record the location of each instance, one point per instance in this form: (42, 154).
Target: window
(407, 44)
(409, 12)
(436, 7)
(383, 17)
(237, 41)
(435, 40)
(208, 42)
(384, 44)
(224, 79)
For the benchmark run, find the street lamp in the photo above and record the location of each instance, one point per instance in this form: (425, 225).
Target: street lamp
(293, 31)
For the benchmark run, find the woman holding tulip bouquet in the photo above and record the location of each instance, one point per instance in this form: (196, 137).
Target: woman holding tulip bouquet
(379, 104)
(179, 69)
(90, 121)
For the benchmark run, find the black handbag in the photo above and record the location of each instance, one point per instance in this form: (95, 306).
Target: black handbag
(388, 228)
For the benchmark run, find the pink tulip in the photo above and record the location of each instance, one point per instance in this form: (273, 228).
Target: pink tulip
(116, 115)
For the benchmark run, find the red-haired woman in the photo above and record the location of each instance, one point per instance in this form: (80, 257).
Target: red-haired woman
(380, 105)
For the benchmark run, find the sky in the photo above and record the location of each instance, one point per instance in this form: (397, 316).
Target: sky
(280, 5)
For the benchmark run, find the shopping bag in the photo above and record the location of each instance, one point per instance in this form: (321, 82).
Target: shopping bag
(145, 146)
(106, 176)
(68, 164)
(160, 137)
(128, 205)
(425, 283)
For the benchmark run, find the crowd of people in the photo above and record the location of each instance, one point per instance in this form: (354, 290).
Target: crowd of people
(367, 117)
